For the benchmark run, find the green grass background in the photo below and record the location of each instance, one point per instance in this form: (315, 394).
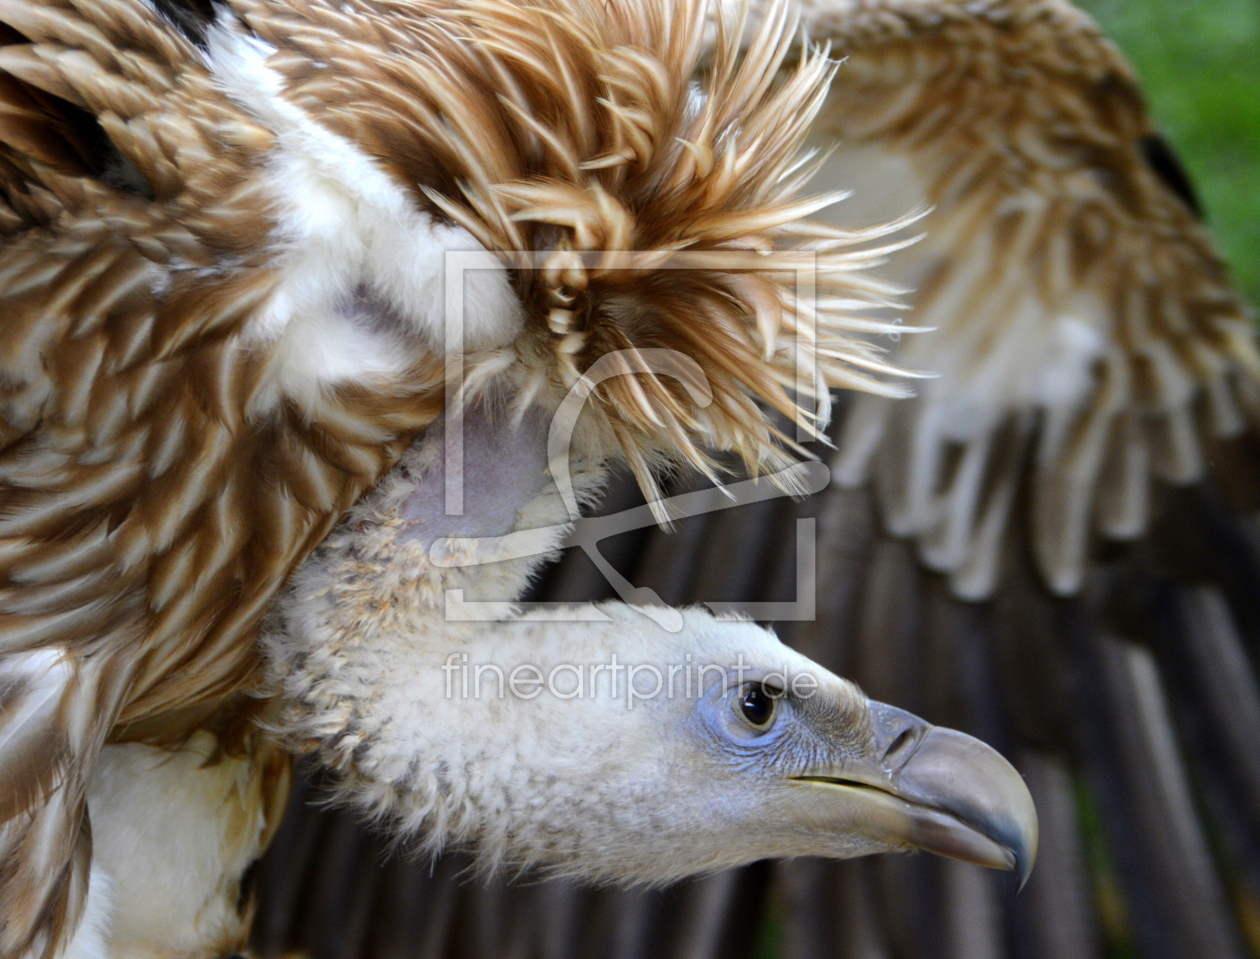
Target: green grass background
(1199, 61)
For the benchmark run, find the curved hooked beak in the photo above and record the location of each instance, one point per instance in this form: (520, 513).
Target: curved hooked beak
(935, 789)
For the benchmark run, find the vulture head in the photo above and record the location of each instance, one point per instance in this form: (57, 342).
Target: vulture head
(611, 742)
(623, 753)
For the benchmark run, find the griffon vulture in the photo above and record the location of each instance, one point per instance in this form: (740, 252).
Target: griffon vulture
(1053, 545)
(252, 252)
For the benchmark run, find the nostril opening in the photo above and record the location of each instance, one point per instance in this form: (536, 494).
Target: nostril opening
(898, 736)
(900, 745)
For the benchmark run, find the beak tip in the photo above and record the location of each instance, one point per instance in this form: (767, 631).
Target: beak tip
(1018, 830)
(1025, 859)
(1015, 828)
(957, 774)
(1023, 868)
(1026, 833)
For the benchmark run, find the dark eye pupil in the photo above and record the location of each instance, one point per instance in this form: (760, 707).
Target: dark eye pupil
(757, 705)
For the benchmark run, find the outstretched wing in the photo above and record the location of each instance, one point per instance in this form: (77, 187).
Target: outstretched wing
(1086, 340)
(1096, 380)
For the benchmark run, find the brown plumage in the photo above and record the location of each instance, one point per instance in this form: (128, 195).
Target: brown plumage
(1080, 309)
(160, 478)
(162, 473)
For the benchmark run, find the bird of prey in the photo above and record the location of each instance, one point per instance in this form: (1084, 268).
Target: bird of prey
(251, 252)
(1054, 545)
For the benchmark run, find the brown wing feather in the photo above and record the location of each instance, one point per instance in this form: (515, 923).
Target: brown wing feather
(1076, 298)
(145, 520)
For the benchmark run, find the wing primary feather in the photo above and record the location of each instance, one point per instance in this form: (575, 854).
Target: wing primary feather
(977, 576)
(1227, 684)
(1163, 159)
(945, 545)
(1124, 489)
(1177, 452)
(1169, 834)
(1058, 903)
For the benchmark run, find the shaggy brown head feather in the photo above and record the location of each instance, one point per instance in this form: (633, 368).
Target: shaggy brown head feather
(578, 130)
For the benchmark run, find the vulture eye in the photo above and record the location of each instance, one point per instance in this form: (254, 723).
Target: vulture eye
(756, 705)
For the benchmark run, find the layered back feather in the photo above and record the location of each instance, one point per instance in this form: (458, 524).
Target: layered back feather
(155, 487)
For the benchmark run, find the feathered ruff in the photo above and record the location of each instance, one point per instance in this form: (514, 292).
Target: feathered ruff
(601, 152)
